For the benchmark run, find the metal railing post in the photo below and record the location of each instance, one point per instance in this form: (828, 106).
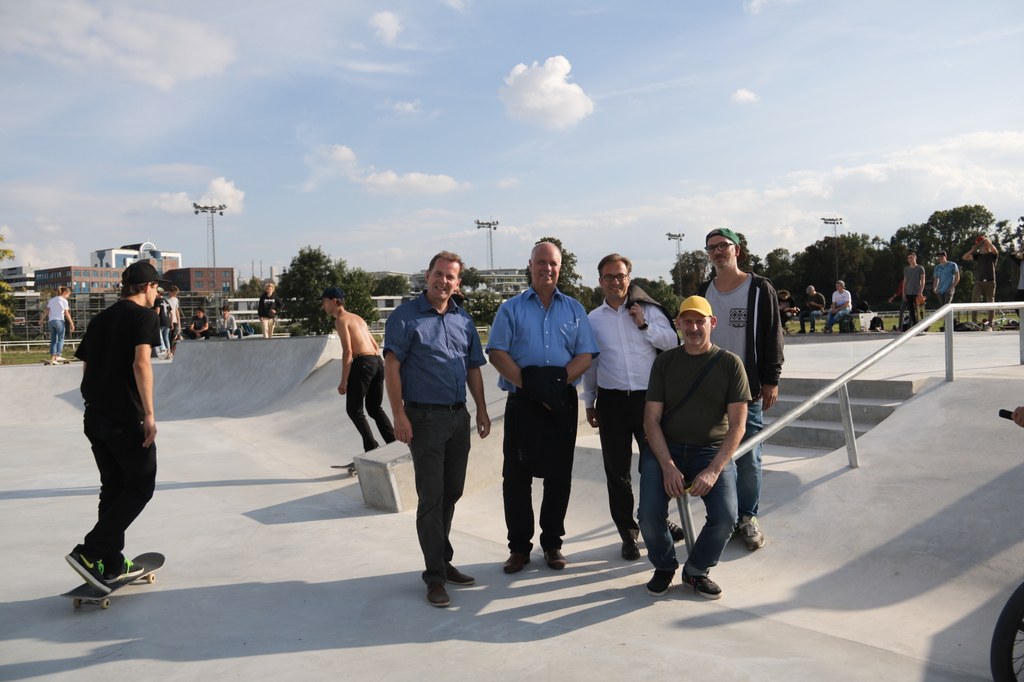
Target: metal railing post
(847, 415)
(687, 518)
(949, 345)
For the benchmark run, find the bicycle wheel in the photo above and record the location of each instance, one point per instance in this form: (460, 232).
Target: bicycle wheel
(1006, 657)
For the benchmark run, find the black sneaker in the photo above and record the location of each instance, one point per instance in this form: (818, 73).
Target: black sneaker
(91, 571)
(129, 572)
(703, 585)
(677, 532)
(630, 550)
(660, 583)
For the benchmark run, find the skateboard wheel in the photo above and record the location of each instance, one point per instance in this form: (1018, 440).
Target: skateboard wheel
(77, 603)
(105, 604)
(151, 578)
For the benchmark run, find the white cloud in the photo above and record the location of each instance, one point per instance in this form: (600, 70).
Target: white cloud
(157, 49)
(744, 96)
(175, 203)
(508, 183)
(457, 5)
(542, 94)
(405, 108)
(755, 6)
(331, 161)
(390, 182)
(223, 191)
(386, 26)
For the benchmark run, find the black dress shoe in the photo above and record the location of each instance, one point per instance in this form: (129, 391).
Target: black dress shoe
(457, 577)
(630, 550)
(677, 532)
(555, 559)
(515, 562)
(437, 596)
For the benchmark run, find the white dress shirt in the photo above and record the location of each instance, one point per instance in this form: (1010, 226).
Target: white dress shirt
(627, 352)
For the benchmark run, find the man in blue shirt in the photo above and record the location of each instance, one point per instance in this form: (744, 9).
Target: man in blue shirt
(541, 343)
(432, 352)
(945, 279)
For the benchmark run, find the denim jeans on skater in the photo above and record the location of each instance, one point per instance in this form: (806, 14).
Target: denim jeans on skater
(748, 467)
(56, 337)
(720, 505)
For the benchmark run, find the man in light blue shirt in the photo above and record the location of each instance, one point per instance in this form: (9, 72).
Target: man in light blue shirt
(945, 278)
(541, 343)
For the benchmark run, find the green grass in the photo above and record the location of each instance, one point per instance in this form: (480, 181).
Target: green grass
(30, 357)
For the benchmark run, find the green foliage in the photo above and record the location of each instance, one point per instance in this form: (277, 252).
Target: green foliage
(6, 298)
(251, 289)
(482, 306)
(391, 285)
(358, 287)
(309, 273)
(471, 279)
(692, 268)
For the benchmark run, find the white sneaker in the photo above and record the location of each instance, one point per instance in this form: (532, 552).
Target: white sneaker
(751, 532)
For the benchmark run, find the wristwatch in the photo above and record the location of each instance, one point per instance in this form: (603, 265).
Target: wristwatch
(644, 326)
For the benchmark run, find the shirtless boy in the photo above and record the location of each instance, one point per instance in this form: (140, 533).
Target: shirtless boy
(362, 370)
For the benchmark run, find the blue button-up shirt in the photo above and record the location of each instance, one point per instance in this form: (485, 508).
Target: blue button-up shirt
(436, 351)
(535, 336)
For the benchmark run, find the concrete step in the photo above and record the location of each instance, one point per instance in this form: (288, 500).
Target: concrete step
(871, 402)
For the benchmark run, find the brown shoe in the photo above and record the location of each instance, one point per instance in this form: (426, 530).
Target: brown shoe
(555, 559)
(457, 577)
(436, 595)
(515, 562)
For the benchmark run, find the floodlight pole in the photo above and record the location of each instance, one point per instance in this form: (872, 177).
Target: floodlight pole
(834, 222)
(677, 237)
(490, 226)
(211, 240)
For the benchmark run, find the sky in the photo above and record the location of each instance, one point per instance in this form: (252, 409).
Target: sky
(381, 131)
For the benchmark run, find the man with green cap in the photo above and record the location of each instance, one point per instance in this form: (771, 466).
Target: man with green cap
(752, 329)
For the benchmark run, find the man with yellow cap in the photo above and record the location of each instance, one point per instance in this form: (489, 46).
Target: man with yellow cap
(694, 419)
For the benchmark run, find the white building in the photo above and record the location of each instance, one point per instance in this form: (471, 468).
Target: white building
(125, 255)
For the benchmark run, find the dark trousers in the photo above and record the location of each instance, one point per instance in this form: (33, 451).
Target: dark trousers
(910, 303)
(440, 454)
(620, 418)
(127, 480)
(366, 384)
(517, 491)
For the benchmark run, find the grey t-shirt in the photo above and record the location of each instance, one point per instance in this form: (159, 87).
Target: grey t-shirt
(912, 280)
(730, 308)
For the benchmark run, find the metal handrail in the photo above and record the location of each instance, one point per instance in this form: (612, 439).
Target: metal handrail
(839, 386)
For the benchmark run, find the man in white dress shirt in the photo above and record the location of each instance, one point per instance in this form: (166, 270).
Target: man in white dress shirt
(630, 328)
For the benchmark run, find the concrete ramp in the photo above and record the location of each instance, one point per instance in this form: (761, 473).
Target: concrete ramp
(238, 378)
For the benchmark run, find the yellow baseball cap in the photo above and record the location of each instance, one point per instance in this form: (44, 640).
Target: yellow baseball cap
(698, 303)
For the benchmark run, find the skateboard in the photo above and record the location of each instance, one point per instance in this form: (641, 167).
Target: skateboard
(59, 362)
(88, 594)
(351, 468)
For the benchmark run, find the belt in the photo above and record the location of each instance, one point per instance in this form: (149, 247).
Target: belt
(619, 391)
(440, 407)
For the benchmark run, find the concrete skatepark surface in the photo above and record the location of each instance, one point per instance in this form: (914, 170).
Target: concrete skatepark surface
(276, 567)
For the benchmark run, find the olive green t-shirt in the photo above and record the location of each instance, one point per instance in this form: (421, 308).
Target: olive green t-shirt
(703, 421)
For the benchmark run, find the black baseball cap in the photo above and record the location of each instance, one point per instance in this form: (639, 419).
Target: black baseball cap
(333, 293)
(143, 272)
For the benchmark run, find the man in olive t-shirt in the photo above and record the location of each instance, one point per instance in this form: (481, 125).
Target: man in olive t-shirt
(691, 438)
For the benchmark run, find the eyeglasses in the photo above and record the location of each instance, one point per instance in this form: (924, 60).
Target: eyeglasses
(720, 246)
(614, 278)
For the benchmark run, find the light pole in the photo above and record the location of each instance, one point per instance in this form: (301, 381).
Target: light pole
(490, 226)
(211, 243)
(677, 237)
(834, 222)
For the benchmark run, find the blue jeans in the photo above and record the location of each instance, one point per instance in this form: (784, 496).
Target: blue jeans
(56, 337)
(748, 467)
(835, 317)
(720, 505)
(165, 338)
(806, 316)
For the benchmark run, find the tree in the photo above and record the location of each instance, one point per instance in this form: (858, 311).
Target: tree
(309, 273)
(471, 279)
(358, 287)
(569, 281)
(251, 289)
(6, 298)
(391, 285)
(778, 267)
(482, 306)
(691, 268)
